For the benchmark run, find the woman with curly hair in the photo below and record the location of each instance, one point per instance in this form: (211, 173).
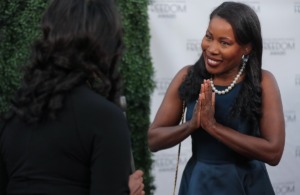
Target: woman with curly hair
(66, 133)
(234, 110)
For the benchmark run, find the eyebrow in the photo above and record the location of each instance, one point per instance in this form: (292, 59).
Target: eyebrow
(227, 38)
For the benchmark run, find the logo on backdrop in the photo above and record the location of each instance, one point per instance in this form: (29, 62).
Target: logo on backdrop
(162, 85)
(194, 45)
(290, 116)
(255, 5)
(284, 188)
(168, 8)
(167, 162)
(297, 80)
(279, 46)
(297, 7)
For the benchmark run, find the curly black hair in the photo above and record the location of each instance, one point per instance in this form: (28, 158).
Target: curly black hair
(246, 26)
(81, 43)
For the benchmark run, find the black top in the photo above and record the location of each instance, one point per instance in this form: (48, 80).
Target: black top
(85, 151)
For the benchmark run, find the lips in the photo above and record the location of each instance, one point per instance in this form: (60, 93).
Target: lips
(213, 62)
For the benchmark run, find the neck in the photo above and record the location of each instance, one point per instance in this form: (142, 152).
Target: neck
(231, 85)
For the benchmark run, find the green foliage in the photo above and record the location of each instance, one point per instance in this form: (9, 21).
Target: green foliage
(18, 27)
(19, 21)
(137, 71)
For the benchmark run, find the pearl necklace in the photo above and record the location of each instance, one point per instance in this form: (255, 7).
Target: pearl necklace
(222, 92)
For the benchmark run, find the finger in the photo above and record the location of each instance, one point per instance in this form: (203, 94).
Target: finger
(199, 102)
(205, 85)
(138, 173)
(138, 189)
(197, 107)
(202, 98)
(208, 91)
(203, 91)
(199, 113)
(202, 101)
(202, 87)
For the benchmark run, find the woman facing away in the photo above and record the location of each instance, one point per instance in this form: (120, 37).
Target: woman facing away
(234, 110)
(66, 134)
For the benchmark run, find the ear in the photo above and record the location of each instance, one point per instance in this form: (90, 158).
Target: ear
(247, 49)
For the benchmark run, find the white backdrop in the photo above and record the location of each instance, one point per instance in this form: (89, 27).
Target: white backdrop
(177, 27)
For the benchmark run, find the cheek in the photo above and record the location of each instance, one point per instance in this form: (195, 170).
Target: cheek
(204, 44)
(233, 55)
(232, 59)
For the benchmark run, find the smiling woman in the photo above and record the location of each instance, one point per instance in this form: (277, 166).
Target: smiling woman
(236, 126)
(222, 54)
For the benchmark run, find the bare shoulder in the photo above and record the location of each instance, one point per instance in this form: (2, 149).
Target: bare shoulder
(268, 78)
(269, 83)
(172, 96)
(184, 71)
(181, 74)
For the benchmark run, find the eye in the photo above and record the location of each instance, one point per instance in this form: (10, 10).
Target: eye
(224, 43)
(208, 37)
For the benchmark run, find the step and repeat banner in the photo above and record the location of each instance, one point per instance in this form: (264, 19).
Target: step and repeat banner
(177, 28)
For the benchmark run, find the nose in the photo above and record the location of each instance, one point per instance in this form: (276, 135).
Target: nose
(213, 47)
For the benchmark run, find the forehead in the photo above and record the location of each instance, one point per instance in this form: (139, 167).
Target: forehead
(220, 27)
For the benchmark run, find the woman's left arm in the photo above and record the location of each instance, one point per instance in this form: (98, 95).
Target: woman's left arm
(269, 146)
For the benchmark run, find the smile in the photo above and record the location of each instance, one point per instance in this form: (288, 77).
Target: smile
(211, 62)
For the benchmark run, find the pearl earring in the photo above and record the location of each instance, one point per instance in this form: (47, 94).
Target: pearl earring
(245, 59)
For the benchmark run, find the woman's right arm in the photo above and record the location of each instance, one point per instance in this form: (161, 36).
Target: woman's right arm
(164, 132)
(110, 159)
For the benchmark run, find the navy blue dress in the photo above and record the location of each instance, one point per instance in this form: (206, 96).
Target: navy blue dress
(214, 168)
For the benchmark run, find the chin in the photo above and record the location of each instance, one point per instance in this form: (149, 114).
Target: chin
(210, 69)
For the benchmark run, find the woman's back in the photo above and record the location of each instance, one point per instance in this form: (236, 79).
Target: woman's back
(74, 154)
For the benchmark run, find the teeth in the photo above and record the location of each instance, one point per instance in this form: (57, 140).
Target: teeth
(212, 61)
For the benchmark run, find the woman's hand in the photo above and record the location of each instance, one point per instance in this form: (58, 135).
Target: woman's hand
(136, 185)
(194, 123)
(207, 105)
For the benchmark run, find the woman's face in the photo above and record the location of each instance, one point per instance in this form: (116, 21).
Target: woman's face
(222, 53)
